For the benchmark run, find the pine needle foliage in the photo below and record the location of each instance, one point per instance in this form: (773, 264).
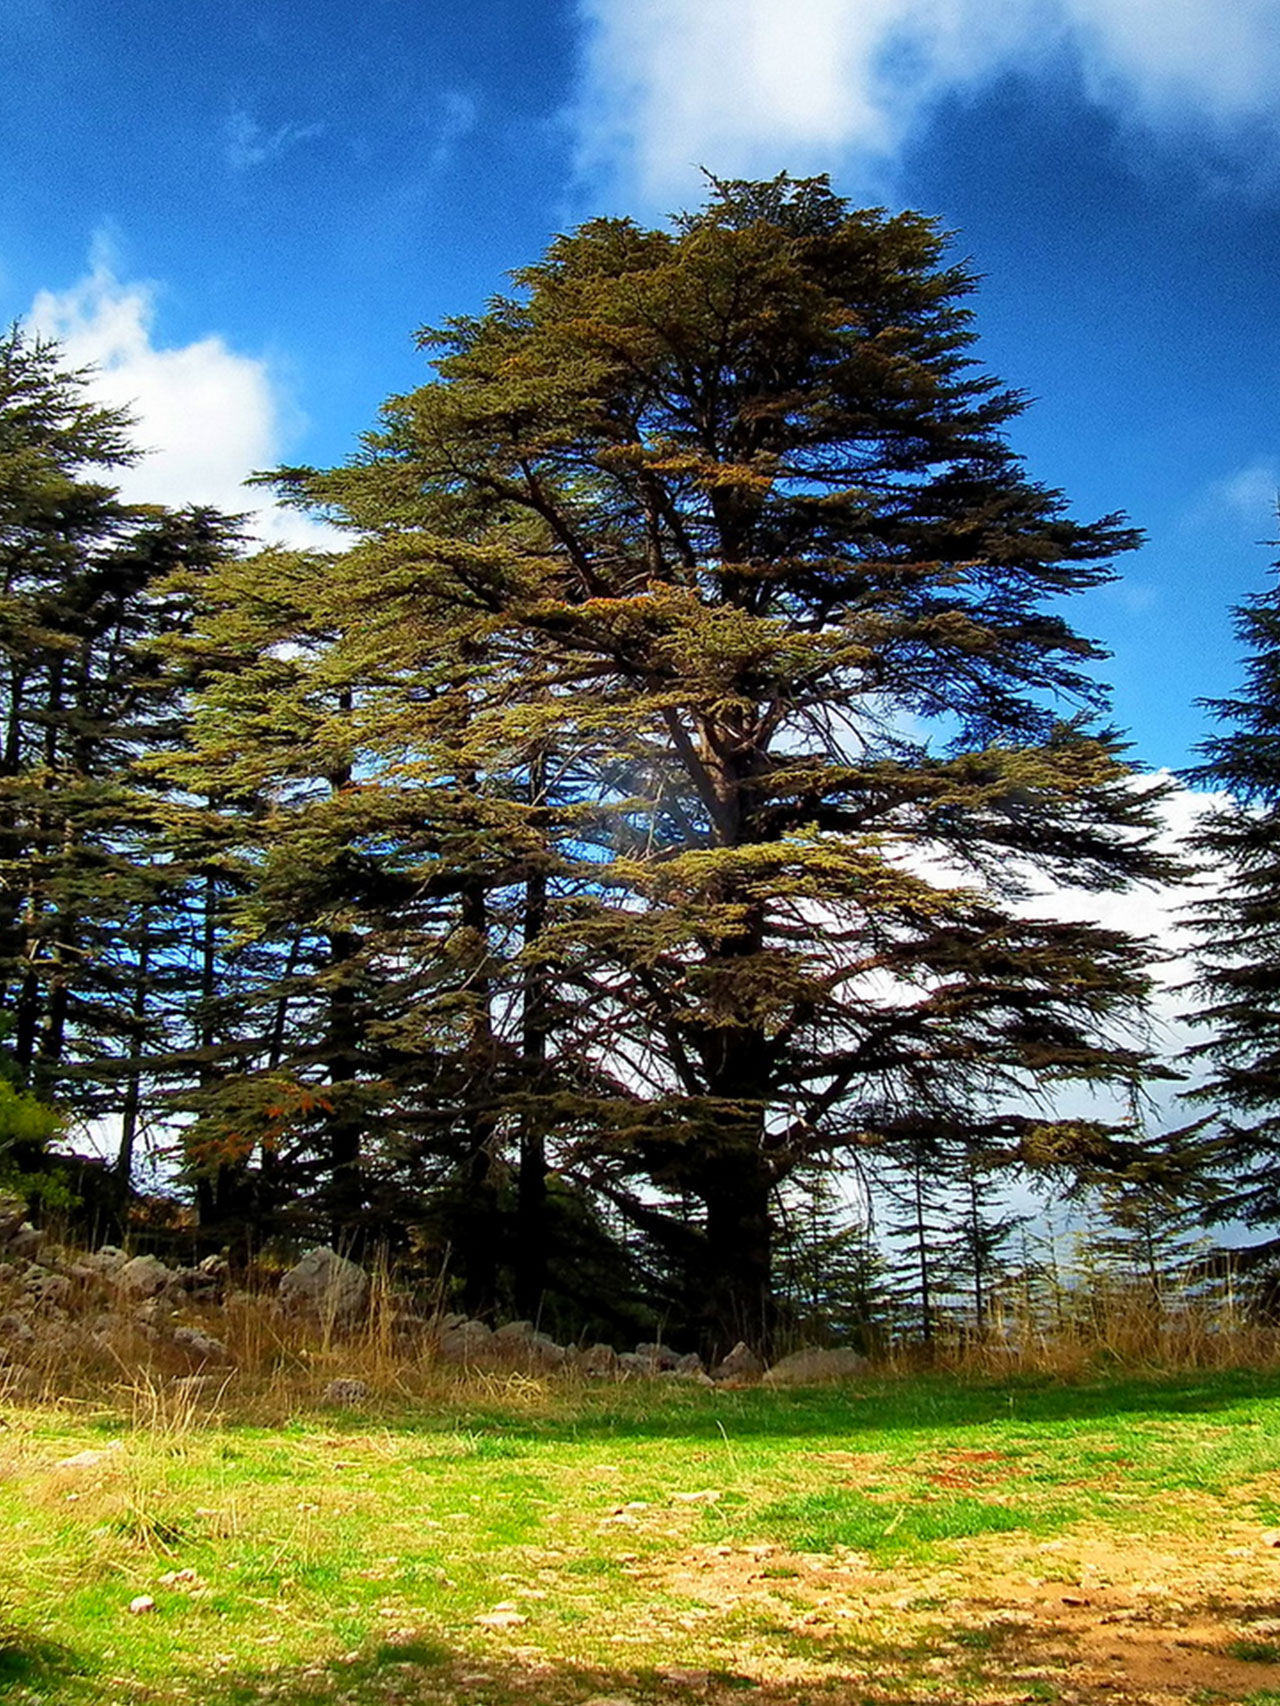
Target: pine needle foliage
(1239, 928)
(682, 728)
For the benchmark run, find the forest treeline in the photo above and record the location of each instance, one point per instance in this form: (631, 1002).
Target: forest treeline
(628, 835)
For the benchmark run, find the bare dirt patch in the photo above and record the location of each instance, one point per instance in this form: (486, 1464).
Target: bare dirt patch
(1087, 1618)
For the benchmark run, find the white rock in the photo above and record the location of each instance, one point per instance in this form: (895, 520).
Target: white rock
(143, 1602)
(88, 1459)
(143, 1276)
(742, 1363)
(815, 1367)
(326, 1285)
(501, 1617)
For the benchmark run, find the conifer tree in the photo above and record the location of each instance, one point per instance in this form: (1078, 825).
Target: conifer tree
(1239, 928)
(717, 530)
(83, 695)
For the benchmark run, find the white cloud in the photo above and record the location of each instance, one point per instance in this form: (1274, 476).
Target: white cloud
(1219, 59)
(247, 144)
(207, 416)
(1251, 493)
(455, 120)
(744, 85)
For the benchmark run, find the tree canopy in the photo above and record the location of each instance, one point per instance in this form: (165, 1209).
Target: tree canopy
(650, 796)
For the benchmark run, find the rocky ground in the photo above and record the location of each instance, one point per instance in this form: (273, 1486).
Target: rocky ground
(59, 1305)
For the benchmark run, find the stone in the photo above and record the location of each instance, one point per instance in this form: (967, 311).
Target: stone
(13, 1212)
(202, 1347)
(346, 1392)
(108, 1259)
(26, 1241)
(542, 1352)
(741, 1364)
(659, 1357)
(142, 1603)
(143, 1276)
(196, 1385)
(501, 1617)
(689, 1365)
(514, 1330)
(89, 1459)
(48, 1289)
(326, 1285)
(697, 1376)
(599, 1362)
(468, 1342)
(812, 1366)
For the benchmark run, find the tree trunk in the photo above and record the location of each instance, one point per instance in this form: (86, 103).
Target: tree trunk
(736, 1287)
(531, 1200)
(131, 1106)
(477, 1229)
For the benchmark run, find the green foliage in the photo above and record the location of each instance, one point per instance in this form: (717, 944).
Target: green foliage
(651, 792)
(90, 911)
(26, 1124)
(1238, 924)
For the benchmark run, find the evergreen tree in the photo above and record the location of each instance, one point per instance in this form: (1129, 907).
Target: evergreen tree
(703, 587)
(1238, 925)
(87, 915)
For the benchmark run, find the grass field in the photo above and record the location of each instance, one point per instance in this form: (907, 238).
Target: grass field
(911, 1540)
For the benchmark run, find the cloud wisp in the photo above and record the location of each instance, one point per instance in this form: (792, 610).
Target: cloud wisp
(247, 144)
(741, 85)
(206, 415)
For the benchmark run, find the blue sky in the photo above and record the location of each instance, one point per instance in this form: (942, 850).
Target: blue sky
(241, 212)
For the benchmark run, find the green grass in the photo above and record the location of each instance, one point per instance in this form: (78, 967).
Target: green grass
(658, 1542)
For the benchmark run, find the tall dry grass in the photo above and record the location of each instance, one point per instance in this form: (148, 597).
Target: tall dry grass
(91, 1351)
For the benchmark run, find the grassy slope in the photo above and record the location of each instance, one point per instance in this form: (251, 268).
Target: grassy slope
(642, 1542)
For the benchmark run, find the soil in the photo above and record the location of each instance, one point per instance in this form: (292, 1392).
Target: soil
(1094, 1617)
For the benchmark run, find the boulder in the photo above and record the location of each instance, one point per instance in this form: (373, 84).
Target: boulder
(742, 1364)
(599, 1362)
(470, 1342)
(660, 1358)
(542, 1353)
(143, 1276)
(689, 1367)
(46, 1288)
(200, 1347)
(108, 1259)
(514, 1331)
(26, 1241)
(327, 1286)
(13, 1212)
(814, 1367)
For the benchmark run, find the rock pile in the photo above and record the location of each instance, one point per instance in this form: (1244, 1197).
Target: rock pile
(55, 1302)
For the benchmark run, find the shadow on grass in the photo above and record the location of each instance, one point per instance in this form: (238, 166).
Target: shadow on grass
(921, 1403)
(421, 1673)
(33, 1669)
